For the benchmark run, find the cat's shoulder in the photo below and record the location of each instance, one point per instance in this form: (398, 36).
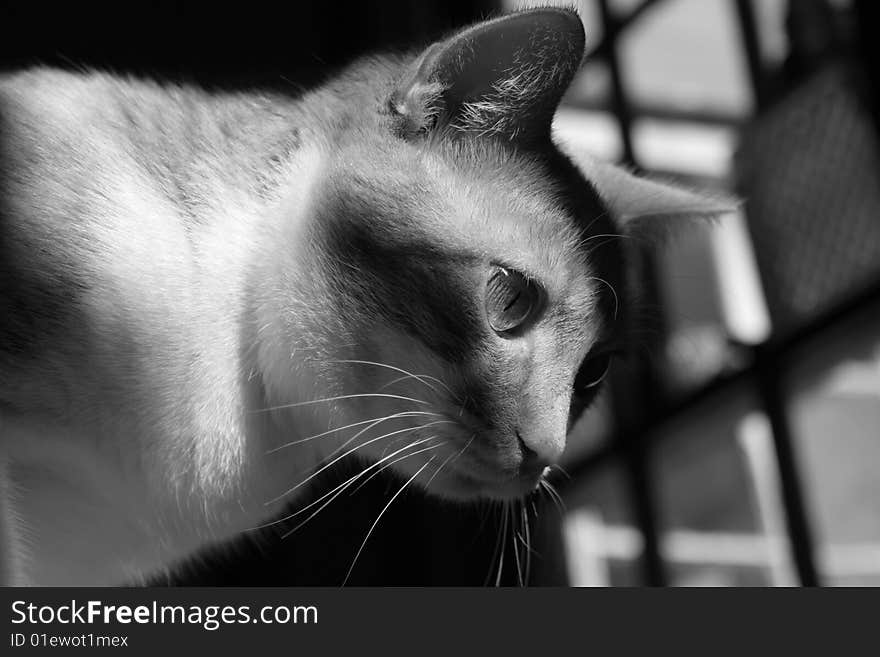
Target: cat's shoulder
(62, 94)
(44, 98)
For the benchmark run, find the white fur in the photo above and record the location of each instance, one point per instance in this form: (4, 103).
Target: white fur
(144, 425)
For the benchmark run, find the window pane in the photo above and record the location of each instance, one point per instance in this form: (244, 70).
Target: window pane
(835, 412)
(684, 147)
(593, 133)
(603, 546)
(720, 513)
(711, 299)
(686, 53)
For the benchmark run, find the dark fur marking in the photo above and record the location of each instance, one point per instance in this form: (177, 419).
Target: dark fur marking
(388, 275)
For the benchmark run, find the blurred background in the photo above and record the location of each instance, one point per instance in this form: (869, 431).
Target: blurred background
(740, 443)
(740, 446)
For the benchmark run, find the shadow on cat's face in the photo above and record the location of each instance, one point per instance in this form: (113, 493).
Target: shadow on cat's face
(463, 275)
(475, 299)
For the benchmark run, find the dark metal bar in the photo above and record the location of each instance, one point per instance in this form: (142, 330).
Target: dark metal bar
(773, 397)
(631, 442)
(620, 24)
(766, 370)
(635, 14)
(752, 47)
(611, 29)
(645, 431)
(627, 409)
(641, 486)
(867, 18)
(782, 346)
(768, 361)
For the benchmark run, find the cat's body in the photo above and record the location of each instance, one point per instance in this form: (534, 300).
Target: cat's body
(184, 277)
(130, 247)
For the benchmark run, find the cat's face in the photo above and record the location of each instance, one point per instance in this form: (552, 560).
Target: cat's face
(475, 302)
(470, 273)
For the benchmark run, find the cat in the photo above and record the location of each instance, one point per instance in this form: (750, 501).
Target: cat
(208, 298)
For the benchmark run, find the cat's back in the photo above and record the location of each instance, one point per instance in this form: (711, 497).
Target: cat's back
(118, 198)
(79, 153)
(78, 135)
(59, 129)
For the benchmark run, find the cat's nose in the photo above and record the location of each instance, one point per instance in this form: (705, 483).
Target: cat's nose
(538, 454)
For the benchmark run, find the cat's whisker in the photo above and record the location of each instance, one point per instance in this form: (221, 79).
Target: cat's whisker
(613, 291)
(393, 416)
(439, 468)
(407, 377)
(638, 239)
(519, 575)
(468, 444)
(528, 539)
(418, 377)
(598, 217)
(345, 454)
(344, 484)
(609, 237)
(554, 495)
(584, 241)
(391, 444)
(372, 440)
(503, 548)
(556, 466)
(543, 490)
(397, 460)
(462, 405)
(449, 459)
(526, 542)
(379, 517)
(352, 439)
(349, 426)
(338, 398)
(490, 510)
(341, 488)
(290, 516)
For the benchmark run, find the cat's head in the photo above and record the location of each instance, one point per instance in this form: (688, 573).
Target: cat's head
(466, 279)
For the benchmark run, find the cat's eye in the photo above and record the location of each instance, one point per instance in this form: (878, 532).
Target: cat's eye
(511, 300)
(592, 372)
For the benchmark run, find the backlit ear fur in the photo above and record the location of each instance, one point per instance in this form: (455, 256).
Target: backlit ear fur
(502, 77)
(650, 208)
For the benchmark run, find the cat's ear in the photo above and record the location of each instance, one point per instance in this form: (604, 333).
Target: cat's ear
(647, 207)
(502, 77)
